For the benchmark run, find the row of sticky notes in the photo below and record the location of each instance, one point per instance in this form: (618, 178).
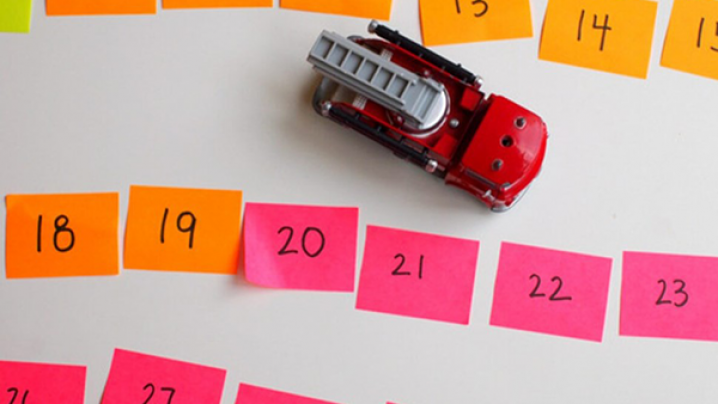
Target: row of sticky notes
(134, 378)
(609, 35)
(15, 14)
(314, 248)
(615, 36)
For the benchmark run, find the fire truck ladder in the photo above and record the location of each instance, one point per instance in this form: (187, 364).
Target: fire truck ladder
(416, 98)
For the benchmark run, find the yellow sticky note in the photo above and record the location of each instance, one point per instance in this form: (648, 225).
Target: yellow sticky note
(186, 230)
(692, 39)
(15, 15)
(62, 235)
(379, 9)
(609, 35)
(446, 22)
(215, 3)
(100, 7)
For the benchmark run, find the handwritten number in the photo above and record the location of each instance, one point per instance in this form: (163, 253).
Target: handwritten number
(172, 393)
(307, 231)
(188, 229)
(605, 27)
(164, 222)
(152, 392)
(660, 300)
(680, 291)
(61, 223)
(534, 293)
(700, 31)
(304, 242)
(397, 271)
(474, 2)
(39, 233)
(62, 228)
(484, 11)
(15, 393)
(554, 296)
(284, 250)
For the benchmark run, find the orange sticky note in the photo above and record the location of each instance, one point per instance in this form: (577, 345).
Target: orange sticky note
(62, 235)
(379, 9)
(692, 39)
(609, 35)
(92, 7)
(186, 230)
(458, 21)
(215, 3)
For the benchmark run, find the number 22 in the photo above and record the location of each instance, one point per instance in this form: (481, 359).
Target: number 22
(554, 296)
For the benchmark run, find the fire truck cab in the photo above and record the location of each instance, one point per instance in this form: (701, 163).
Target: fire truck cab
(430, 112)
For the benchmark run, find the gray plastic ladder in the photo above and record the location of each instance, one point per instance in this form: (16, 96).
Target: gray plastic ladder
(384, 82)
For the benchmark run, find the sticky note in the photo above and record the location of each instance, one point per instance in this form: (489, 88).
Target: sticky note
(100, 7)
(610, 35)
(15, 15)
(186, 230)
(669, 296)
(417, 275)
(446, 22)
(249, 394)
(378, 9)
(140, 378)
(215, 3)
(691, 43)
(551, 292)
(300, 247)
(22, 382)
(62, 235)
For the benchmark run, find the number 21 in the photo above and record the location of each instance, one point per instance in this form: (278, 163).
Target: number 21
(15, 393)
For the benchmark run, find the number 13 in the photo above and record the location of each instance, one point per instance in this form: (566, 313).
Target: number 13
(483, 3)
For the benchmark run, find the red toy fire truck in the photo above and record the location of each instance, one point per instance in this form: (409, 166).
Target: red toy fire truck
(429, 111)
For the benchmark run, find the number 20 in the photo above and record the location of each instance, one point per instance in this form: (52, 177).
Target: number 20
(285, 251)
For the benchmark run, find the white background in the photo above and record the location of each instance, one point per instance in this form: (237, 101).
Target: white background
(220, 99)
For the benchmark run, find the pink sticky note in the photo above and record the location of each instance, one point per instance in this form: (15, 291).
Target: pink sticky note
(669, 296)
(300, 247)
(418, 275)
(552, 292)
(22, 382)
(249, 394)
(135, 378)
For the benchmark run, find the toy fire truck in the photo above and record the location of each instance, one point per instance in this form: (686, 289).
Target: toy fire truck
(429, 111)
